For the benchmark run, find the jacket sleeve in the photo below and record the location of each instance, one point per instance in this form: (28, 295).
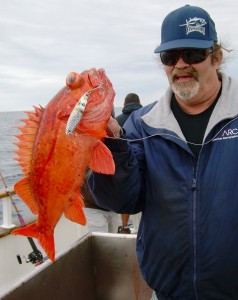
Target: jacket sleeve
(122, 192)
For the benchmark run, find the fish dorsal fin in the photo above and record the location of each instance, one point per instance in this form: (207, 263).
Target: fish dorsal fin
(27, 138)
(22, 189)
(102, 160)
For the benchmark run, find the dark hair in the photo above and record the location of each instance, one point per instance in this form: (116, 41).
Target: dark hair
(131, 98)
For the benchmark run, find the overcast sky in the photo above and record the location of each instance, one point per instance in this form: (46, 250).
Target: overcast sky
(42, 41)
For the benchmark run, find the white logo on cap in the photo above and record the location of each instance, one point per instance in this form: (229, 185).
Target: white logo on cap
(195, 24)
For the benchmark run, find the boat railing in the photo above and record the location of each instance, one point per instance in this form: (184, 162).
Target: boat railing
(7, 208)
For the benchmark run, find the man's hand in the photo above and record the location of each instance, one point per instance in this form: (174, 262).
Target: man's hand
(113, 128)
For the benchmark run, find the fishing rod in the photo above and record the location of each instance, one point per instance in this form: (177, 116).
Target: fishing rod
(36, 256)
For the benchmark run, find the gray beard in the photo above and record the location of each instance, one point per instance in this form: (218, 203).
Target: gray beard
(185, 90)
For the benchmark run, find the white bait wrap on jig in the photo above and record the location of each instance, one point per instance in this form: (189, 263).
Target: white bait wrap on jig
(77, 112)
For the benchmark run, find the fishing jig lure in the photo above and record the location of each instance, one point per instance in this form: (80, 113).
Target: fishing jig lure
(77, 112)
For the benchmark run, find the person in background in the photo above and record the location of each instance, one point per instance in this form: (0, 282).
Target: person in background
(98, 219)
(131, 103)
(176, 162)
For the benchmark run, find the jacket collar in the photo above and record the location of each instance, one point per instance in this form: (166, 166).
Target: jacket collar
(161, 116)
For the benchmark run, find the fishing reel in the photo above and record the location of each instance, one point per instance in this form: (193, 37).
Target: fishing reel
(34, 257)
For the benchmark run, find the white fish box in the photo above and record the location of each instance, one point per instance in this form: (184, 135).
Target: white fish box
(100, 266)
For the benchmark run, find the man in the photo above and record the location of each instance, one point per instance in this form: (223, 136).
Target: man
(179, 168)
(131, 103)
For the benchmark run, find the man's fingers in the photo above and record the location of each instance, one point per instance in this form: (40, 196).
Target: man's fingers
(113, 128)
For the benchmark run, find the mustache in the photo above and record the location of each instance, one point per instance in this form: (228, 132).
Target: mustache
(188, 71)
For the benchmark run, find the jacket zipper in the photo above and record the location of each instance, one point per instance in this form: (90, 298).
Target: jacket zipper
(194, 185)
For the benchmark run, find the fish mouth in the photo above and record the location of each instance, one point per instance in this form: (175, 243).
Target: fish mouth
(98, 112)
(92, 107)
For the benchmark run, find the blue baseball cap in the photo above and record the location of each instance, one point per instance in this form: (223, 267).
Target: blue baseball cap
(187, 27)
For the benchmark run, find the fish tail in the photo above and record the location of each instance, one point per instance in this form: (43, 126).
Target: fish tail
(44, 237)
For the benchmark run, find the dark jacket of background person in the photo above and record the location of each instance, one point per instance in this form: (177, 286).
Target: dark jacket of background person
(131, 103)
(87, 196)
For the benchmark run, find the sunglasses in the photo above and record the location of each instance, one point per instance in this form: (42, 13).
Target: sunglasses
(189, 56)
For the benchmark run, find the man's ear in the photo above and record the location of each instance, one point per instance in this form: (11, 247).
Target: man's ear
(217, 58)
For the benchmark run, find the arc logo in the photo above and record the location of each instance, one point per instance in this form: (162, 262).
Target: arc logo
(230, 133)
(195, 24)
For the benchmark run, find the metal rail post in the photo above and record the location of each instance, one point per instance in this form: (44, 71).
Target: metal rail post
(7, 214)
(7, 207)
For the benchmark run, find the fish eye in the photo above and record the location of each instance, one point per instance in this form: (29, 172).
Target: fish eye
(74, 80)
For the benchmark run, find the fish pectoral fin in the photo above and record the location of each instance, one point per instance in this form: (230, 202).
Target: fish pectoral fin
(45, 237)
(102, 160)
(74, 211)
(22, 189)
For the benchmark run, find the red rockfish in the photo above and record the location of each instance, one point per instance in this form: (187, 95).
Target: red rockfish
(54, 162)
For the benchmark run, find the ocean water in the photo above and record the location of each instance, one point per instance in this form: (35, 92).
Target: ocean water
(9, 167)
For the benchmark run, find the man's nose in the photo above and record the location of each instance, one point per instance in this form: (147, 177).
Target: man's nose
(181, 63)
